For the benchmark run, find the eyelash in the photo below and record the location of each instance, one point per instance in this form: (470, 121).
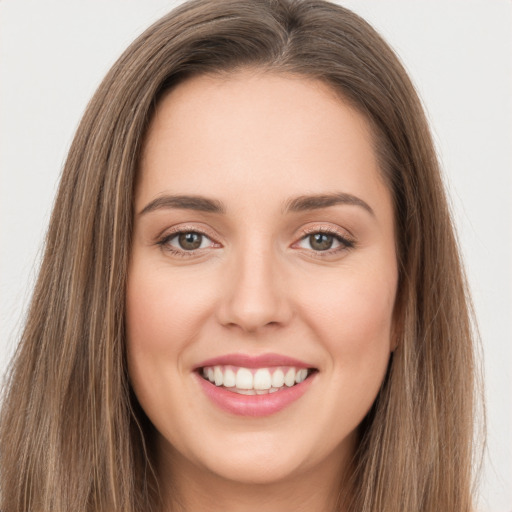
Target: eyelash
(346, 243)
(164, 242)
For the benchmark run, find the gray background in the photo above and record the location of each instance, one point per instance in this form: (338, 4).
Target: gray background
(53, 55)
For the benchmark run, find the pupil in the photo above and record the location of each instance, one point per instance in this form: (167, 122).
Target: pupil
(190, 241)
(321, 241)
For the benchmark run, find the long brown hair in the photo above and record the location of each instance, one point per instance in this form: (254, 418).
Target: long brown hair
(72, 436)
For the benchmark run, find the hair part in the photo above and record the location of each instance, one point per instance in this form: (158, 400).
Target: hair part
(73, 436)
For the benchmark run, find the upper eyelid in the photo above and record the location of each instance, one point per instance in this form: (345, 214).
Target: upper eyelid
(343, 234)
(174, 231)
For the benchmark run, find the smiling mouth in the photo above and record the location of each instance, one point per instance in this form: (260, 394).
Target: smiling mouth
(255, 381)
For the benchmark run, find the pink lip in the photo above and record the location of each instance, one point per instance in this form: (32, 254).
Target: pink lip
(253, 405)
(247, 361)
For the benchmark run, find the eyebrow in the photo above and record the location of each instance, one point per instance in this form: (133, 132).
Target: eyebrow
(197, 203)
(318, 201)
(295, 204)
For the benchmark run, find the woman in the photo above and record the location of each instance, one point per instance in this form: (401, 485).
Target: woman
(251, 296)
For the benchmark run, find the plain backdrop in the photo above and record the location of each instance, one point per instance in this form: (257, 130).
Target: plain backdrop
(53, 55)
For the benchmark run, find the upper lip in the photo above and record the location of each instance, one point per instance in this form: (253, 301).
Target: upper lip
(249, 361)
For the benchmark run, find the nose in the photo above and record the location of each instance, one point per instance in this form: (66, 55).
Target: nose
(254, 293)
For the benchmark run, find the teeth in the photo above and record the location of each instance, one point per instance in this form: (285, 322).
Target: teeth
(229, 378)
(289, 378)
(244, 379)
(301, 375)
(262, 379)
(278, 379)
(259, 381)
(255, 391)
(245, 391)
(217, 374)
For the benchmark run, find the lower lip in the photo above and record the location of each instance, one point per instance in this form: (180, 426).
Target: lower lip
(253, 405)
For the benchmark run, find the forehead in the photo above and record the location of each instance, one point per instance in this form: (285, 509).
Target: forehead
(256, 131)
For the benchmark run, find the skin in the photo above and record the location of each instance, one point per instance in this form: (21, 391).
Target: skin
(258, 284)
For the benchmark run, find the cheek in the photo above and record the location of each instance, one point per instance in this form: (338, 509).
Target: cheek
(164, 316)
(354, 324)
(158, 326)
(352, 317)
(164, 310)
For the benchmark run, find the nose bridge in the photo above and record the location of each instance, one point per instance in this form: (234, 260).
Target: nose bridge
(255, 295)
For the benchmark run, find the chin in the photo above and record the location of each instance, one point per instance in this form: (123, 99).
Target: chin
(262, 458)
(257, 469)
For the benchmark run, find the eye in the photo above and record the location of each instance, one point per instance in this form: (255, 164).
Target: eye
(185, 241)
(320, 241)
(188, 241)
(324, 241)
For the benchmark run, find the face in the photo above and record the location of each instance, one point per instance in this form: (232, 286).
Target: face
(262, 277)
